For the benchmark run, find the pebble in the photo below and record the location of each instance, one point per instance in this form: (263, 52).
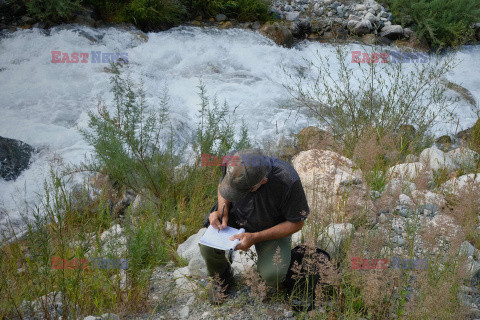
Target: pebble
(184, 312)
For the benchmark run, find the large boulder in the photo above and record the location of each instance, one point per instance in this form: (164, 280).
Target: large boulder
(333, 184)
(407, 171)
(14, 158)
(436, 159)
(362, 27)
(463, 183)
(278, 33)
(464, 157)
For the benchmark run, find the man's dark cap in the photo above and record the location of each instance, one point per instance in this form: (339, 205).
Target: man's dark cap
(245, 169)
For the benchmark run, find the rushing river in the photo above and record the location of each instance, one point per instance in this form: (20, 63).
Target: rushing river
(44, 103)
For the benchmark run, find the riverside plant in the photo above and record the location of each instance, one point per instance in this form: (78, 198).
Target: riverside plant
(391, 98)
(133, 148)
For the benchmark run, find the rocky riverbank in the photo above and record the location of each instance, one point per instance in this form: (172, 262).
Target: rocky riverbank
(321, 20)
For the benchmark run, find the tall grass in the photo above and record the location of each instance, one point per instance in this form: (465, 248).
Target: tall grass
(134, 149)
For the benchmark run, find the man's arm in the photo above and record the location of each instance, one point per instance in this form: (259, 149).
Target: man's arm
(281, 230)
(214, 217)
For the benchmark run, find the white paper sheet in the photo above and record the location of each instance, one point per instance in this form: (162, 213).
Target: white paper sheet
(221, 240)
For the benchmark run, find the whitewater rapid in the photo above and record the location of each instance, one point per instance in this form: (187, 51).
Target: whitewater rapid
(44, 103)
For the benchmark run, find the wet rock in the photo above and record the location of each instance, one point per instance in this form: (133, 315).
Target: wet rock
(15, 157)
(278, 33)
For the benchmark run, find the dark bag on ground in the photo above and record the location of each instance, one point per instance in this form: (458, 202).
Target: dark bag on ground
(303, 275)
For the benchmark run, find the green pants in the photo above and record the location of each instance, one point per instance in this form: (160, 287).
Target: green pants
(272, 270)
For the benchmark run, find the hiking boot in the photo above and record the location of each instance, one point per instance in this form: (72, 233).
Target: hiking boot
(220, 287)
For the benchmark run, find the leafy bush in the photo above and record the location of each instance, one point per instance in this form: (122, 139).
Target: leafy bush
(242, 10)
(52, 10)
(151, 14)
(129, 140)
(440, 22)
(397, 102)
(216, 133)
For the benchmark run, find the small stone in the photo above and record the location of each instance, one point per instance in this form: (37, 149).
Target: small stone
(288, 8)
(370, 17)
(110, 316)
(206, 315)
(184, 312)
(291, 16)
(226, 25)
(360, 7)
(382, 218)
(288, 314)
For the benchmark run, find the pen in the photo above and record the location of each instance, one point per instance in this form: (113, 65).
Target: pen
(221, 217)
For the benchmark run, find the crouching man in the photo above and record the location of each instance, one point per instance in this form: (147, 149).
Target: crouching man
(264, 196)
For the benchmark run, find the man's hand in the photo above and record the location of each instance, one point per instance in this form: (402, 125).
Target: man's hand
(214, 219)
(247, 239)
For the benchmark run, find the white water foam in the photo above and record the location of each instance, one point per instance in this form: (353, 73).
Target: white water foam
(44, 103)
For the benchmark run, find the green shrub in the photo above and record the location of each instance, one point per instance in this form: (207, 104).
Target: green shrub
(351, 104)
(440, 22)
(52, 10)
(242, 10)
(152, 14)
(131, 142)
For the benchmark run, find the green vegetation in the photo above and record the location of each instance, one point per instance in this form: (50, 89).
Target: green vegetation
(147, 14)
(52, 10)
(135, 151)
(441, 22)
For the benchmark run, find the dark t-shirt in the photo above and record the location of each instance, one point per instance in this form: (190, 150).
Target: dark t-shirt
(280, 199)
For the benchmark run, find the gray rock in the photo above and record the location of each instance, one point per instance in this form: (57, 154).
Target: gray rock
(353, 17)
(407, 32)
(334, 236)
(340, 12)
(288, 8)
(291, 16)
(432, 208)
(288, 314)
(15, 157)
(220, 17)
(360, 7)
(435, 157)
(392, 32)
(467, 249)
(92, 318)
(110, 316)
(184, 312)
(370, 17)
(363, 27)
